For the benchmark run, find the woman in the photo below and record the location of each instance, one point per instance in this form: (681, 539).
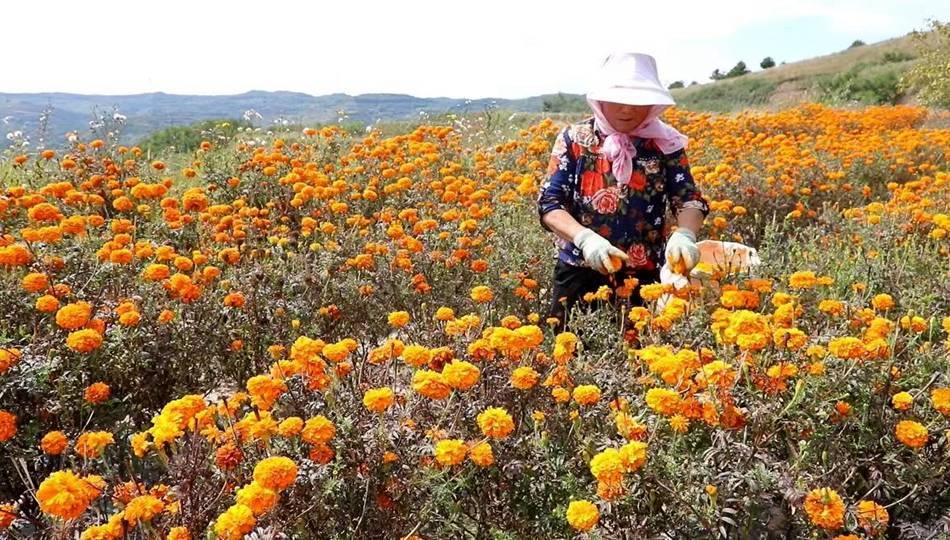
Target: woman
(611, 180)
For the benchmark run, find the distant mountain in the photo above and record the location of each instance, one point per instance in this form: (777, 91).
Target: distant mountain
(146, 113)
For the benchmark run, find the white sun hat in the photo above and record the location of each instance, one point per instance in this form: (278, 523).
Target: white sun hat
(629, 78)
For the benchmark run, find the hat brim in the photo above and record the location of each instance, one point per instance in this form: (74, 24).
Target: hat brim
(633, 96)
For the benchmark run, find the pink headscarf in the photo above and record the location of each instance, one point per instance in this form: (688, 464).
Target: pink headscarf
(618, 147)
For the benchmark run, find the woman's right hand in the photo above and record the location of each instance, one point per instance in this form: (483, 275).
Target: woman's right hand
(598, 251)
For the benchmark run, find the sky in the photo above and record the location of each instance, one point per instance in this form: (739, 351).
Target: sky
(487, 48)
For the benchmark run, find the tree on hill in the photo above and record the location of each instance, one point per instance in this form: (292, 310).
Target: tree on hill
(737, 70)
(717, 75)
(767, 62)
(856, 43)
(676, 84)
(564, 103)
(928, 75)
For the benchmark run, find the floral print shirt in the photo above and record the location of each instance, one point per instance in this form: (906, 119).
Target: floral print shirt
(631, 216)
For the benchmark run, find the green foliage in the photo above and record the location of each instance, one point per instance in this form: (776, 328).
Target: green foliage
(930, 75)
(188, 138)
(730, 95)
(737, 70)
(676, 84)
(856, 43)
(861, 85)
(767, 62)
(564, 103)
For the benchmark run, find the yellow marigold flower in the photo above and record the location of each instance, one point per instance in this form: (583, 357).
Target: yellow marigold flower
(608, 466)
(651, 292)
(142, 508)
(524, 378)
(8, 358)
(882, 302)
(257, 497)
(560, 394)
(679, 423)
(911, 433)
(872, 517)
(586, 394)
(65, 495)
(97, 393)
(804, 279)
(8, 423)
(444, 314)
(847, 347)
(290, 427)
(582, 515)
(449, 452)
(664, 401)
(178, 533)
(941, 400)
(398, 319)
(378, 399)
(460, 374)
(902, 401)
(481, 454)
(35, 282)
(84, 341)
(264, 390)
(91, 444)
(825, 508)
(235, 522)
(496, 423)
(318, 429)
(416, 355)
(633, 455)
(430, 384)
(276, 472)
(628, 427)
(481, 294)
(73, 316)
(54, 443)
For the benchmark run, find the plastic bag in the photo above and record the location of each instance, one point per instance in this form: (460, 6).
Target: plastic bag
(715, 258)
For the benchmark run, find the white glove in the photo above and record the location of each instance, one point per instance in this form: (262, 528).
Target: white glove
(681, 250)
(598, 251)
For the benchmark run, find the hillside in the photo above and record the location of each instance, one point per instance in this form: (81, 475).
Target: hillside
(147, 113)
(866, 74)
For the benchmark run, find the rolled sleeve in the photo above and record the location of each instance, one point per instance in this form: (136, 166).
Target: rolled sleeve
(557, 189)
(680, 187)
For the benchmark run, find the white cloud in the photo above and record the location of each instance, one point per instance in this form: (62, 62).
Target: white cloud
(427, 48)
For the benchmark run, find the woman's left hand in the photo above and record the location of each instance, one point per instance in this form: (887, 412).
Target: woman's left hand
(682, 253)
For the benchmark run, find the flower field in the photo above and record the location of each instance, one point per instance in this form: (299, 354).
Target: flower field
(329, 334)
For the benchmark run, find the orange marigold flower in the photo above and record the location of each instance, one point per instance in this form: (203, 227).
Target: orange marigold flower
(872, 517)
(911, 433)
(276, 472)
(142, 508)
(35, 282)
(495, 422)
(378, 399)
(84, 341)
(398, 319)
(8, 423)
(582, 515)
(882, 302)
(460, 374)
(481, 454)
(54, 443)
(235, 522)
(257, 497)
(664, 401)
(430, 384)
(92, 444)
(449, 452)
(97, 393)
(73, 316)
(524, 378)
(65, 495)
(586, 394)
(481, 294)
(318, 429)
(825, 508)
(902, 401)
(939, 396)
